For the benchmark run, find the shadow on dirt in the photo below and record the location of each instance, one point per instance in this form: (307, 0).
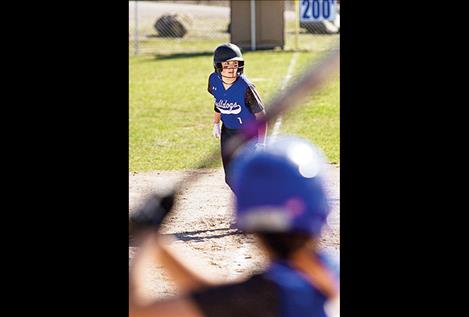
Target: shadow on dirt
(199, 235)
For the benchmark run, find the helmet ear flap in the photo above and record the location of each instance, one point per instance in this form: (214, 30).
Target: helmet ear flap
(240, 67)
(218, 67)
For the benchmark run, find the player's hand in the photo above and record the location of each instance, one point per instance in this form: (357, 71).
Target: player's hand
(216, 130)
(151, 214)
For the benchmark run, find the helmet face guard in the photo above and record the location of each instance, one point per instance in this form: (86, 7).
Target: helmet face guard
(280, 188)
(225, 53)
(219, 68)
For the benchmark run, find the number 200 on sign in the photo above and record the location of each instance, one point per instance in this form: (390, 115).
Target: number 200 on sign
(317, 10)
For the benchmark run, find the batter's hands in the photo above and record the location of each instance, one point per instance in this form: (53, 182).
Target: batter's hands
(151, 214)
(216, 130)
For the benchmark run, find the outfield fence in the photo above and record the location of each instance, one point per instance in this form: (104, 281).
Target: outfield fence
(178, 27)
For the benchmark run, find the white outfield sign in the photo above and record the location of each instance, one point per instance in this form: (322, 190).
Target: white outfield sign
(317, 10)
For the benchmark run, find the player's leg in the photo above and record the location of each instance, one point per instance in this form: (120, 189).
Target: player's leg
(226, 135)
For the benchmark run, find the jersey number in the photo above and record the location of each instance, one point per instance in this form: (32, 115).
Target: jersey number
(240, 121)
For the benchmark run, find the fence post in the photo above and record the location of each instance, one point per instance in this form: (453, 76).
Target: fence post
(253, 25)
(136, 27)
(297, 22)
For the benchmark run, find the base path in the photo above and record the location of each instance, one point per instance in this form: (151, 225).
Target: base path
(202, 222)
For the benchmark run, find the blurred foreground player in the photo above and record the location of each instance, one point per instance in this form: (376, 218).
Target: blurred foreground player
(281, 199)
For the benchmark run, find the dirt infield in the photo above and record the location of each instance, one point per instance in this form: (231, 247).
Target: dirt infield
(202, 223)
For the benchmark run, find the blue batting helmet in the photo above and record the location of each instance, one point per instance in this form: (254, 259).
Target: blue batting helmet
(280, 188)
(228, 52)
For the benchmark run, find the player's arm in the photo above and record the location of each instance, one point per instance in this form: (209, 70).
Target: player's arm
(187, 270)
(178, 306)
(262, 131)
(217, 116)
(209, 87)
(254, 102)
(216, 122)
(156, 248)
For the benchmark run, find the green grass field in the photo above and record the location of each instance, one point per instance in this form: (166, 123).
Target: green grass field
(170, 110)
